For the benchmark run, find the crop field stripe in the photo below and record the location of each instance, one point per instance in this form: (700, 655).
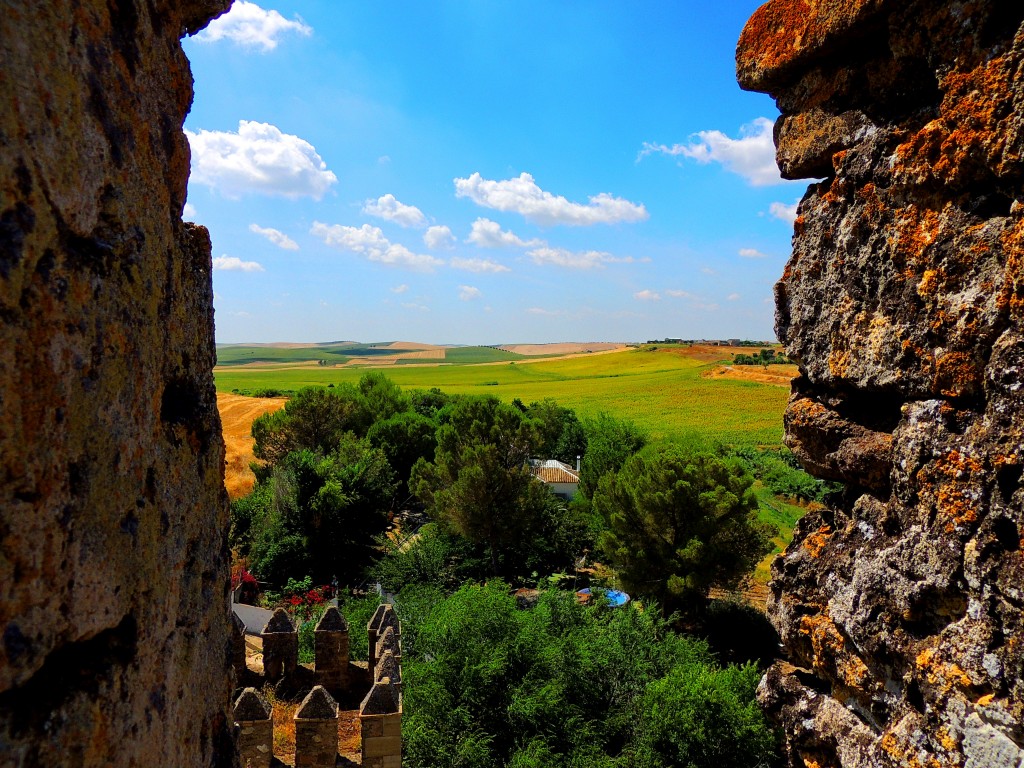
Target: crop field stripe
(664, 393)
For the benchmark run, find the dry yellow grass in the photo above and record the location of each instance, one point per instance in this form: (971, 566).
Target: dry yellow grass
(237, 414)
(780, 375)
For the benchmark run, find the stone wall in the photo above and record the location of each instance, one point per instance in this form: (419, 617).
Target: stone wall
(113, 516)
(901, 605)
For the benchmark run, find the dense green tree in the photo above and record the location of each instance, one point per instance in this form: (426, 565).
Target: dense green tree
(405, 438)
(680, 520)
(566, 686)
(562, 436)
(316, 515)
(610, 442)
(315, 419)
(480, 483)
(379, 400)
(427, 402)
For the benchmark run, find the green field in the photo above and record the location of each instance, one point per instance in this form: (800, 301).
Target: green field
(662, 391)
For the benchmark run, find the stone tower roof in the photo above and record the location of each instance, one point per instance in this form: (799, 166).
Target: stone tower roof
(279, 622)
(318, 705)
(381, 700)
(251, 706)
(332, 621)
(388, 667)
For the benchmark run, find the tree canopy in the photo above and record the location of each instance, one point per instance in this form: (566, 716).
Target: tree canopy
(680, 520)
(567, 686)
(480, 483)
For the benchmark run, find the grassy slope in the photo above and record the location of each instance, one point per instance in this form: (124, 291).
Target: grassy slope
(663, 392)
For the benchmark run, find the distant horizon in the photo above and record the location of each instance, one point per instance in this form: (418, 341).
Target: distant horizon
(489, 344)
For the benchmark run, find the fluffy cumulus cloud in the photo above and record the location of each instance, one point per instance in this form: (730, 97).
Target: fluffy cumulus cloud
(786, 213)
(751, 156)
(752, 253)
(370, 242)
(547, 312)
(276, 236)
(258, 158)
(647, 295)
(477, 265)
(400, 288)
(250, 26)
(388, 208)
(468, 293)
(562, 257)
(235, 264)
(189, 211)
(489, 234)
(733, 297)
(522, 195)
(438, 237)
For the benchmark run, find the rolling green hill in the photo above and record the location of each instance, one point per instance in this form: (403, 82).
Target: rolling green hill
(662, 391)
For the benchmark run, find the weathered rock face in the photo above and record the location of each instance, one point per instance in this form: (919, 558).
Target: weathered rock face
(904, 304)
(113, 582)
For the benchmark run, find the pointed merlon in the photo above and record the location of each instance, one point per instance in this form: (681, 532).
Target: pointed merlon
(332, 621)
(279, 622)
(388, 667)
(250, 707)
(381, 700)
(318, 705)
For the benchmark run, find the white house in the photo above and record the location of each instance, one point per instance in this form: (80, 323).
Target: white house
(562, 479)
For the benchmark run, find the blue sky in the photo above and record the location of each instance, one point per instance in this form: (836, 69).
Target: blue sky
(476, 172)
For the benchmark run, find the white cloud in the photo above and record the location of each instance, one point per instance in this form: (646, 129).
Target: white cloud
(468, 293)
(489, 234)
(647, 295)
(277, 237)
(189, 211)
(417, 307)
(547, 312)
(752, 253)
(400, 288)
(751, 156)
(522, 195)
(250, 26)
(388, 208)
(438, 237)
(786, 213)
(235, 264)
(259, 158)
(696, 302)
(708, 271)
(477, 265)
(563, 257)
(733, 297)
(371, 243)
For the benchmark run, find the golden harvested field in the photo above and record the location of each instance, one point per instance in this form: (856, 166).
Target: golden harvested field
(237, 414)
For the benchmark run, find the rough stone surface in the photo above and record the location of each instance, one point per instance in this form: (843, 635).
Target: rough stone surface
(316, 731)
(280, 646)
(331, 651)
(113, 558)
(902, 604)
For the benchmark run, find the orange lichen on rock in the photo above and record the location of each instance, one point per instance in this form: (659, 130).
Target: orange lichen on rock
(974, 124)
(817, 541)
(783, 32)
(952, 482)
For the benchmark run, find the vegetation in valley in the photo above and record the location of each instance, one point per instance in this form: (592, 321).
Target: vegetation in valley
(430, 494)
